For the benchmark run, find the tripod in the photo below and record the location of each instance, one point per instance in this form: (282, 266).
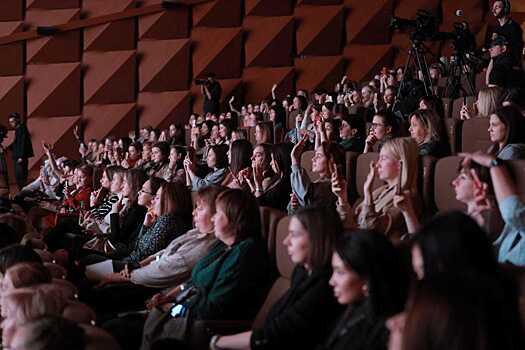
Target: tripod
(459, 73)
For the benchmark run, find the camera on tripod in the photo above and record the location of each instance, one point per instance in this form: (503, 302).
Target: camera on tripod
(201, 82)
(425, 25)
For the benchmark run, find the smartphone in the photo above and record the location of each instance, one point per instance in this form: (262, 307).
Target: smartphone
(400, 178)
(178, 310)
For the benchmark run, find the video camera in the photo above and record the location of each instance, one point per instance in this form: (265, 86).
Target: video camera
(425, 25)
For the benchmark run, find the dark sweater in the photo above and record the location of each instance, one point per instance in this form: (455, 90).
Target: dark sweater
(301, 318)
(232, 281)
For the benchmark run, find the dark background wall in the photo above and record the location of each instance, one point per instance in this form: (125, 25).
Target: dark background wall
(139, 71)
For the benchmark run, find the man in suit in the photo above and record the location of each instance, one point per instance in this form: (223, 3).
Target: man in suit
(21, 149)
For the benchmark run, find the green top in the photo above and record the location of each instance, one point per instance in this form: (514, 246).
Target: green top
(233, 281)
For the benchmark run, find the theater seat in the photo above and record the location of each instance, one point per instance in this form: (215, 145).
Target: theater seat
(362, 169)
(458, 103)
(453, 133)
(446, 170)
(517, 168)
(474, 135)
(426, 183)
(284, 268)
(306, 163)
(447, 107)
(270, 217)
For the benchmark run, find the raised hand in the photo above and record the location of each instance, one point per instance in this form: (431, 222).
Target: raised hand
(403, 201)
(372, 173)
(339, 185)
(298, 149)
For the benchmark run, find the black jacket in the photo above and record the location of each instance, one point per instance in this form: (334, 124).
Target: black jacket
(301, 318)
(125, 230)
(21, 146)
(358, 329)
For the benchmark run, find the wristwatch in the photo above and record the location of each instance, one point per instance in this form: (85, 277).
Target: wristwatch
(496, 162)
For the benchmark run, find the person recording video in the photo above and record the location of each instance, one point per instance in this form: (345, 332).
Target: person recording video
(212, 90)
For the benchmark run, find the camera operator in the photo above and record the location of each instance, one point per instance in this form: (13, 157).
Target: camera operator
(501, 70)
(212, 90)
(508, 28)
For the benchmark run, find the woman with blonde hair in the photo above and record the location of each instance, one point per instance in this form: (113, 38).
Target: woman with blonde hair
(397, 166)
(486, 104)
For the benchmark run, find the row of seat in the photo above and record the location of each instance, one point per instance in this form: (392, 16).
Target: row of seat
(434, 180)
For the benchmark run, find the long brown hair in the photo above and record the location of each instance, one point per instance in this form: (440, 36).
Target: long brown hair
(175, 199)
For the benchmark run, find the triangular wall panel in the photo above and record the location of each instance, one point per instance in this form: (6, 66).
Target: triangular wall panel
(160, 65)
(100, 121)
(11, 97)
(12, 62)
(109, 77)
(161, 109)
(269, 8)
(63, 47)
(218, 13)
(269, 41)
(53, 89)
(319, 72)
(172, 24)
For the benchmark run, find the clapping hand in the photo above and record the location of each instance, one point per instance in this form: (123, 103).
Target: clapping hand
(403, 201)
(372, 173)
(339, 186)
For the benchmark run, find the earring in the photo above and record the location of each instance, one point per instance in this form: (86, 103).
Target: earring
(365, 289)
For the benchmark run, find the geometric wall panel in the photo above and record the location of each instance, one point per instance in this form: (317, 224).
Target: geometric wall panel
(320, 30)
(319, 72)
(319, 2)
(258, 82)
(63, 47)
(109, 77)
(57, 131)
(53, 89)
(269, 41)
(162, 65)
(364, 61)
(100, 121)
(52, 4)
(12, 10)
(12, 55)
(118, 35)
(217, 50)
(172, 24)
(268, 7)
(368, 24)
(161, 109)
(11, 96)
(218, 13)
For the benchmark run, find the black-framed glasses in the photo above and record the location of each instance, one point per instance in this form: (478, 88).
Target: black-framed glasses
(146, 192)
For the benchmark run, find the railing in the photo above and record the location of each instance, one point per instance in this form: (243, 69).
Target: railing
(42, 31)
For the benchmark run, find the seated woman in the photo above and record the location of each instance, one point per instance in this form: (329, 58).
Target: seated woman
(260, 168)
(160, 153)
(397, 167)
(352, 134)
(472, 182)
(103, 199)
(216, 160)
(295, 134)
(383, 128)
(511, 243)
(486, 104)
(506, 134)
(168, 267)
(263, 133)
(425, 130)
(308, 308)
(277, 193)
(225, 131)
(239, 158)
(371, 281)
(133, 155)
(326, 162)
(169, 217)
(229, 283)
(176, 166)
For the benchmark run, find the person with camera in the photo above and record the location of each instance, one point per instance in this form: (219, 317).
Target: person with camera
(211, 90)
(501, 71)
(509, 29)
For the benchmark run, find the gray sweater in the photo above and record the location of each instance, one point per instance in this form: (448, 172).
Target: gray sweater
(173, 264)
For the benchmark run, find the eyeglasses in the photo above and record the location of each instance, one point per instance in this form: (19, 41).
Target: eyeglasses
(377, 125)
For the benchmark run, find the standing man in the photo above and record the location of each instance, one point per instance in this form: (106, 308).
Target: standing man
(21, 149)
(501, 70)
(509, 29)
(212, 91)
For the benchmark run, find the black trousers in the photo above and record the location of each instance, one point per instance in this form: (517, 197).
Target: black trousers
(21, 172)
